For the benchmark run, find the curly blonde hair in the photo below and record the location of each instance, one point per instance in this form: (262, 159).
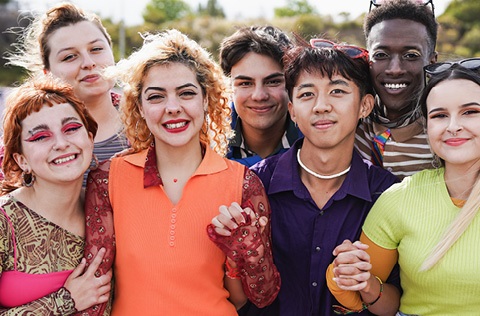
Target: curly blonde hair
(32, 50)
(164, 48)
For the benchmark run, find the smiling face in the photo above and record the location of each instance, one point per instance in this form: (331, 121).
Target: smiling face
(259, 93)
(327, 110)
(55, 145)
(173, 105)
(79, 60)
(453, 122)
(398, 51)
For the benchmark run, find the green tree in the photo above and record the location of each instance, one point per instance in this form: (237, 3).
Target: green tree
(212, 9)
(295, 7)
(459, 32)
(161, 11)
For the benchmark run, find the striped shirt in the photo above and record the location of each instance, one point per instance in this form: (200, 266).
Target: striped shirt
(105, 149)
(239, 151)
(406, 150)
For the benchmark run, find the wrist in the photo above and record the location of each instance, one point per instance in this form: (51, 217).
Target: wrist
(231, 269)
(371, 290)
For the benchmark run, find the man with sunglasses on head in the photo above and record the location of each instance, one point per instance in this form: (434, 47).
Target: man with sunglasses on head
(401, 37)
(252, 58)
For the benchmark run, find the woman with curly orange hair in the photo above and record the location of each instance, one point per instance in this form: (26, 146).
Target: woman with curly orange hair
(191, 230)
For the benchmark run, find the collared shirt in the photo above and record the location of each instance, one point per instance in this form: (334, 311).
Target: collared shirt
(176, 231)
(304, 235)
(239, 151)
(406, 151)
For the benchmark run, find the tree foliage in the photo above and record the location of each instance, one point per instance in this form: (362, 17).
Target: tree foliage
(294, 8)
(459, 34)
(212, 9)
(161, 11)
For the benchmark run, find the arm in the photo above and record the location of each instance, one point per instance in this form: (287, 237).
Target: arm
(56, 303)
(248, 243)
(81, 289)
(355, 269)
(99, 231)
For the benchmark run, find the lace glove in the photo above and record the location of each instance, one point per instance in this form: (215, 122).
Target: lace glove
(249, 246)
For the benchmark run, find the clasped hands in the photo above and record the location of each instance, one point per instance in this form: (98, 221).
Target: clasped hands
(351, 267)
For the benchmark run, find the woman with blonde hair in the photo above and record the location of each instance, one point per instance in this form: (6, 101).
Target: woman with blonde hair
(74, 45)
(48, 137)
(429, 222)
(162, 211)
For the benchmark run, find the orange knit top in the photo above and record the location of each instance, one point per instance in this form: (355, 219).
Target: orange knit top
(165, 263)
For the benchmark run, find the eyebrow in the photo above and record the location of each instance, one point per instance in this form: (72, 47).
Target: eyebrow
(331, 83)
(89, 43)
(42, 127)
(187, 85)
(462, 106)
(273, 75)
(385, 47)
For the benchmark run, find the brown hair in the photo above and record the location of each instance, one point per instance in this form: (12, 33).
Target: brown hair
(30, 97)
(32, 50)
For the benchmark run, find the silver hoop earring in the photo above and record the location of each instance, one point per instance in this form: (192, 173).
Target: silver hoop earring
(436, 162)
(28, 179)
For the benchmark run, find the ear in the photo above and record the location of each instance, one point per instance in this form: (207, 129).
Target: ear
(366, 105)
(292, 111)
(21, 161)
(433, 57)
(205, 105)
(140, 109)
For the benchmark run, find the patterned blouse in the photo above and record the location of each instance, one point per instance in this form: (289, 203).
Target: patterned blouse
(41, 247)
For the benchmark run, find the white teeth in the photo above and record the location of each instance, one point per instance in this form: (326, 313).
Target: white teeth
(176, 125)
(395, 85)
(63, 160)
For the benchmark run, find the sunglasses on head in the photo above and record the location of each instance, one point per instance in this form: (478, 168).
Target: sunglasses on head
(377, 3)
(438, 68)
(350, 50)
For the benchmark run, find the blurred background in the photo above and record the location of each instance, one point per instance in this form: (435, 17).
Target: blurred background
(209, 21)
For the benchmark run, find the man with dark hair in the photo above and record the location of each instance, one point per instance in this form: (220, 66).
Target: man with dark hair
(400, 37)
(252, 58)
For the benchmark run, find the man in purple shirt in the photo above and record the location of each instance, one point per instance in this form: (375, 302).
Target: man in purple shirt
(320, 190)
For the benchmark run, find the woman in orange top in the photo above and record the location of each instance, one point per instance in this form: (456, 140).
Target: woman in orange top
(161, 198)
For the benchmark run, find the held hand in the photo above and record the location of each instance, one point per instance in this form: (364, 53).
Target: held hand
(230, 218)
(351, 266)
(87, 289)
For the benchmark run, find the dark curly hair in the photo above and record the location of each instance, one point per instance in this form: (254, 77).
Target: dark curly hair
(406, 10)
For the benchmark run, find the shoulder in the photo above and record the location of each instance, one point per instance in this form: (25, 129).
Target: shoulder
(414, 187)
(265, 168)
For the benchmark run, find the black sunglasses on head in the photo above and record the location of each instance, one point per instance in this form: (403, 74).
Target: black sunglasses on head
(377, 3)
(437, 68)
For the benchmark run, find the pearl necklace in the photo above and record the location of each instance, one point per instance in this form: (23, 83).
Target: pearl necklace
(320, 176)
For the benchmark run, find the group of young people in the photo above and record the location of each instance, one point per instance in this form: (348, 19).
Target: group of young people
(277, 193)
